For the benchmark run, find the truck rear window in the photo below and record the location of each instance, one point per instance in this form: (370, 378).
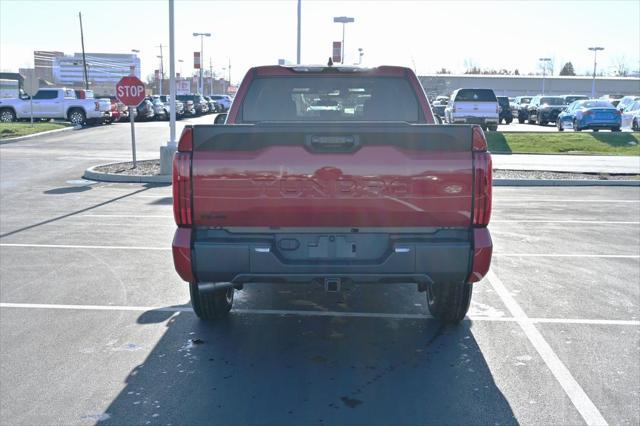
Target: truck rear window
(319, 98)
(475, 95)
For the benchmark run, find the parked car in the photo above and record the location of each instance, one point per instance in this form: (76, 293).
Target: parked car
(361, 209)
(569, 99)
(473, 106)
(626, 101)
(179, 105)
(629, 117)
(545, 109)
(612, 99)
(519, 108)
(198, 104)
(441, 100)
(213, 105)
(224, 101)
(438, 109)
(50, 103)
(505, 110)
(160, 110)
(592, 114)
(121, 111)
(145, 111)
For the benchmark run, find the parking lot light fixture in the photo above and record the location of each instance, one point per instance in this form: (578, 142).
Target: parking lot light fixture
(594, 49)
(201, 35)
(343, 20)
(544, 61)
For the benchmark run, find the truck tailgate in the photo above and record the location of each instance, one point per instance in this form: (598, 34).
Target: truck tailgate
(342, 174)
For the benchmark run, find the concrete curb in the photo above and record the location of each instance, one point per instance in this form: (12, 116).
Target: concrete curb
(564, 182)
(48, 132)
(92, 174)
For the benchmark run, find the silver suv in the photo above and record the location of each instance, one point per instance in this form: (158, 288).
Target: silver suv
(473, 106)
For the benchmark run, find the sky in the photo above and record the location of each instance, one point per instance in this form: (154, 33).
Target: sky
(423, 35)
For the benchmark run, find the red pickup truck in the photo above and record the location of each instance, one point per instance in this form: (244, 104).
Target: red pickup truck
(332, 174)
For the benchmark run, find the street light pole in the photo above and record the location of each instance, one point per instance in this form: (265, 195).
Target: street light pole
(167, 152)
(544, 70)
(593, 83)
(161, 57)
(201, 35)
(361, 53)
(343, 20)
(299, 32)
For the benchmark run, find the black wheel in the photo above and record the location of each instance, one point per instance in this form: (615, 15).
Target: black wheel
(213, 304)
(77, 117)
(493, 128)
(634, 125)
(521, 120)
(543, 123)
(7, 115)
(483, 127)
(596, 130)
(615, 129)
(449, 302)
(559, 125)
(576, 128)
(531, 121)
(509, 121)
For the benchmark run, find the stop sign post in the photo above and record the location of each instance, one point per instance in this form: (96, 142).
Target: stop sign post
(130, 91)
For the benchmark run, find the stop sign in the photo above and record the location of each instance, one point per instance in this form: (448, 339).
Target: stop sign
(130, 90)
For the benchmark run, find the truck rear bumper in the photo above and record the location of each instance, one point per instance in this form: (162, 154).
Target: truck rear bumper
(439, 256)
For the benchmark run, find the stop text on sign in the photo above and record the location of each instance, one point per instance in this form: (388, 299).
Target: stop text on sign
(130, 91)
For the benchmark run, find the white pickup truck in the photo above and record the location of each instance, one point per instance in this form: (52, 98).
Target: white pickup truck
(473, 106)
(57, 104)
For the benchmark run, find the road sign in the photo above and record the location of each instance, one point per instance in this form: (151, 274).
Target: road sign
(31, 83)
(196, 60)
(337, 52)
(130, 90)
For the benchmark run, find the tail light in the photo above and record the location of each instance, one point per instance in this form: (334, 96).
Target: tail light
(182, 188)
(97, 104)
(482, 175)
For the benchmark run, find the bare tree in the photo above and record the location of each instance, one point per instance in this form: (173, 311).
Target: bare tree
(620, 68)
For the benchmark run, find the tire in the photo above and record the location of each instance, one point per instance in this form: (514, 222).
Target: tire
(542, 123)
(521, 120)
(493, 128)
(211, 305)
(509, 121)
(531, 121)
(77, 117)
(615, 129)
(484, 128)
(576, 128)
(7, 115)
(596, 130)
(449, 302)
(634, 125)
(559, 125)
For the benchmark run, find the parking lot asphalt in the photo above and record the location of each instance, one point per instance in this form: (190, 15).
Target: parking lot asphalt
(95, 325)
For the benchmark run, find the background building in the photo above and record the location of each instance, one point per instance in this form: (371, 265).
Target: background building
(43, 61)
(514, 85)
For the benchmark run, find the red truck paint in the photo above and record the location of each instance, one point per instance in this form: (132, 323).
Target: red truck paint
(278, 187)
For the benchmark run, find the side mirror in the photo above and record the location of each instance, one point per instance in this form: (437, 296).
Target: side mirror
(220, 119)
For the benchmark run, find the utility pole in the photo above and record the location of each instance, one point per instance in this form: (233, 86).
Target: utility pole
(299, 35)
(84, 58)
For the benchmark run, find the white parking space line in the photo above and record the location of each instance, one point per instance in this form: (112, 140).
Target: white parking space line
(499, 199)
(68, 246)
(134, 216)
(589, 222)
(281, 312)
(578, 255)
(572, 388)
